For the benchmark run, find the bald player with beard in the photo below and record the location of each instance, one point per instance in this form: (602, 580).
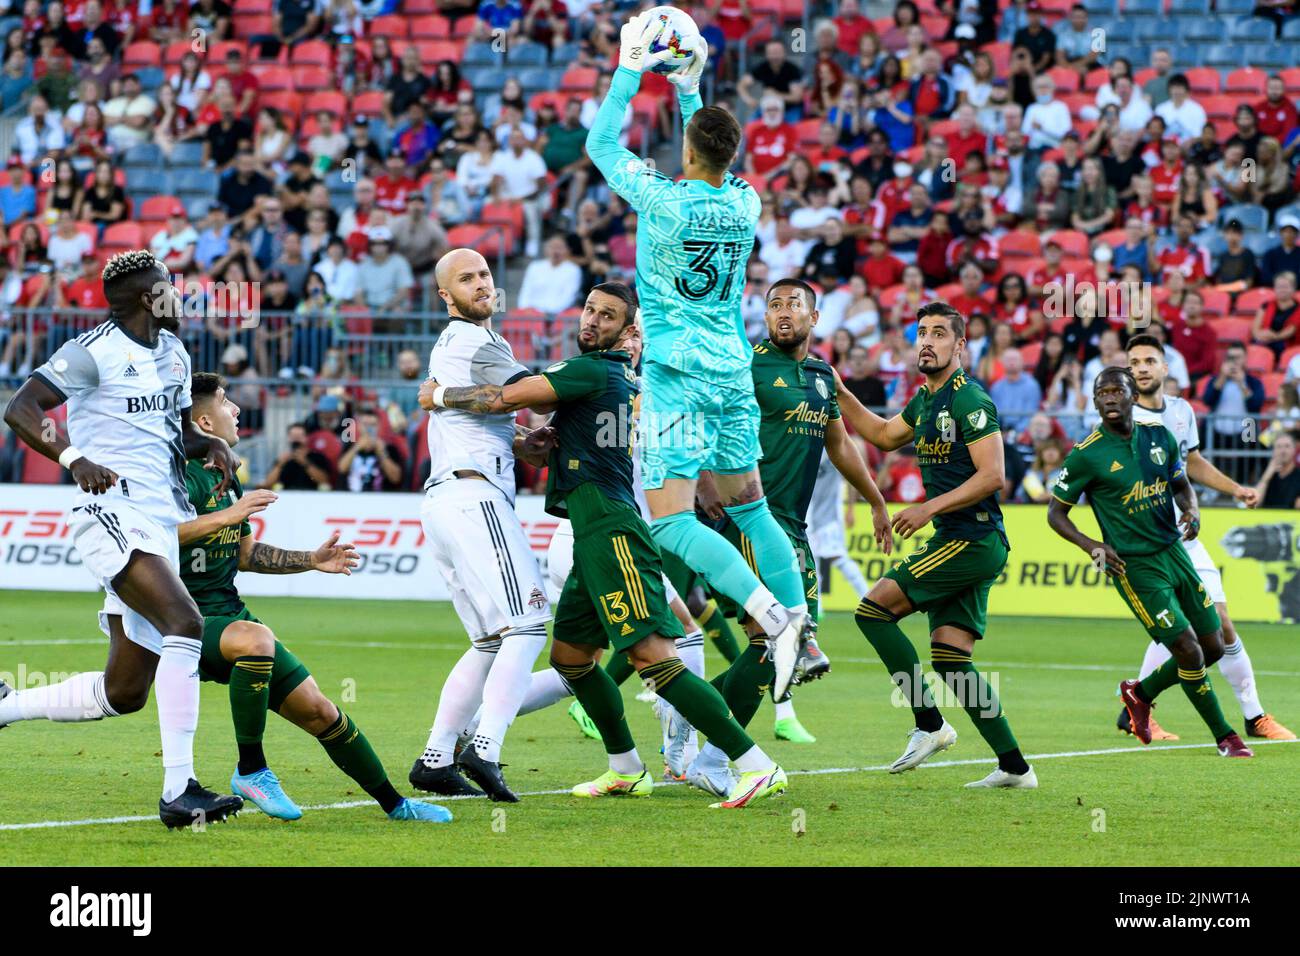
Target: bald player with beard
(477, 541)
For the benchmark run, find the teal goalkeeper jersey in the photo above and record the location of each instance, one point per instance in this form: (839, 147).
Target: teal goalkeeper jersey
(692, 243)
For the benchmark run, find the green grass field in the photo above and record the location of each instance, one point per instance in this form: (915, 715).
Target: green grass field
(1159, 805)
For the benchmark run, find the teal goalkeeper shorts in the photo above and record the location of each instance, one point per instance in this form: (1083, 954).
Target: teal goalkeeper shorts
(688, 425)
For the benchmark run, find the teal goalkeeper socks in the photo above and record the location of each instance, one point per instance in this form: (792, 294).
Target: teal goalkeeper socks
(770, 551)
(709, 553)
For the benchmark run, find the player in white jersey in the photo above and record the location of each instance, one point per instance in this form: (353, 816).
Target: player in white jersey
(826, 527)
(477, 541)
(127, 387)
(1147, 363)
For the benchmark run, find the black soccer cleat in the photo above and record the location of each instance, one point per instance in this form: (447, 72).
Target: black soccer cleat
(1123, 723)
(811, 663)
(487, 775)
(444, 781)
(198, 806)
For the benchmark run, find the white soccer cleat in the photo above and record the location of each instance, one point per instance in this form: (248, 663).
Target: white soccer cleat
(719, 781)
(1009, 781)
(676, 731)
(784, 651)
(921, 745)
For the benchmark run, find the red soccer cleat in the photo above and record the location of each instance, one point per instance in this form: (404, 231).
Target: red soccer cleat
(1139, 711)
(1231, 746)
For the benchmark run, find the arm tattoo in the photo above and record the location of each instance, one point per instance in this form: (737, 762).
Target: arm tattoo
(267, 559)
(473, 398)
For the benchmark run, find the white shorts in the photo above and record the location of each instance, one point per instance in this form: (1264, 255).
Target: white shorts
(559, 561)
(105, 535)
(480, 547)
(1206, 569)
(827, 542)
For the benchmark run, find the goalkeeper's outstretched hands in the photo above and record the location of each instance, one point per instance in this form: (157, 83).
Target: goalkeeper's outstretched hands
(687, 80)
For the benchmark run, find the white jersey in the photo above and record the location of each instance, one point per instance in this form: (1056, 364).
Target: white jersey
(1177, 416)
(125, 399)
(470, 354)
(825, 509)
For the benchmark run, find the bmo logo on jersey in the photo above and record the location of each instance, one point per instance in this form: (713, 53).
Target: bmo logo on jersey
(147, 403)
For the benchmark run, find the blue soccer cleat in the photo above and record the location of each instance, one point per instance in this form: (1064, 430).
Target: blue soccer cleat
(263, 790)
(415, 810)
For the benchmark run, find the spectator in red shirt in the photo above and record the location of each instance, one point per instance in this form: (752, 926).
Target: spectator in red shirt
(243, 84)
(1193, 337)
(899, 477)
(851, 25)
(769, 141)
(1143, 205)
(931, 93)
(968, 138)
(167, 21)
(86, 291)
(123, 16)
(932, 251)
(1051, 271)
(896, 193)
(882, 269)
(1276, 115)
(1276, 322)
(392, 187)
(1185, 255)
(864, 215)
(826, 156)
(1165, 177)
(970, 299)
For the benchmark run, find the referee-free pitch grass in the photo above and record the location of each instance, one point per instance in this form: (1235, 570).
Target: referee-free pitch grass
(384, 662)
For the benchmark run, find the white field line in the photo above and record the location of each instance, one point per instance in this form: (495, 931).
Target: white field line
(425, 646)
(880, 768)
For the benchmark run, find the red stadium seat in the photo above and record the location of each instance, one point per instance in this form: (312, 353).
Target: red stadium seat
(1001, 55)
(1112, 237)
(308, 78)
(329, 101)
(1221, 106)
(758, 181)
(175, 52)
(394, 27)
(430, 28)
(578, 79)
(485, 240)
(807, 131)
(1075, 102)
(1020, 244)
(1030, 353)
(1287, 356)
(1203, 80)
(1217, 302)
(369, 103)
(217, 51)
(526, 331)
(538, 100)
(286, 101)
(124, 234)
(1250, 301)
(1291, 79)
(253, 7)
(504, 213)
(1067, 80)
(1247, 79)
(433, 52)
(1096, 79)
(1259, 359)
(1232, 329)
(39, 470)
(311, 53)
(935, 25)
(142, 55)
(154, 209)
(272, 78)
(411, 7)
(1073, 242)
(1272, 382)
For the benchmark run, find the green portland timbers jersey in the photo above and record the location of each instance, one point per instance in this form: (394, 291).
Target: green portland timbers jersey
(797, 402)
(208, 567)
(944, 427)
(595, 426)
(1127, 481)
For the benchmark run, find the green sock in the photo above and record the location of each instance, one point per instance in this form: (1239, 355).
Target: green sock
(1159, 680)
(351, 752)
(1196, 685)
(599, 697)
(748, 679)
(976, 696)
(619, 669)
(701, 705)
(250, 695)
(880, 627)
(718, 630)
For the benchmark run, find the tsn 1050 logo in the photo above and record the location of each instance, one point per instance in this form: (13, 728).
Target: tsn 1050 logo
(395, 545)
(36, 537)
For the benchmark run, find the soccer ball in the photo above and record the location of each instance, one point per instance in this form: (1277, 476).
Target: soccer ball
(673, 30)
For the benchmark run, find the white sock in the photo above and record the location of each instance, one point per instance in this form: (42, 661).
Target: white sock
(626, 763)
(691, 650)
(784, 709)
(852, 572)
(753, 760)
(692, 748)
(767, 611)
(1156, 655)
(79, 698)
(545, 687)
(461, 694)
(711, 758)
(1236, 668)
(506, 687)
(176, 685)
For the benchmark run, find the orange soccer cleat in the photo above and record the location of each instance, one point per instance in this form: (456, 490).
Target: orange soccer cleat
(1269, 729)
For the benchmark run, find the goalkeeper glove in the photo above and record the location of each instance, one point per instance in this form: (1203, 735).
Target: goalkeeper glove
(633, 43)
(687, 80)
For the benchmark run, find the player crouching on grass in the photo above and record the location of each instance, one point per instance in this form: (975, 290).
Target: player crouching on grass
(1128, 468)
(242, 652)
(614, 594)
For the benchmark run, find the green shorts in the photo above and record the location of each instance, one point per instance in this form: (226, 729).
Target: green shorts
(286, 673)
(614, 596)
(950, 579)
(798, 535)
(1166, 595)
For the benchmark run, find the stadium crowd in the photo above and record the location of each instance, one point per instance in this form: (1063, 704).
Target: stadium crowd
(1065, 175)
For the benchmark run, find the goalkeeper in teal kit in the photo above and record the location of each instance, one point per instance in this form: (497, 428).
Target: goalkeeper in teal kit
(698, 412)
